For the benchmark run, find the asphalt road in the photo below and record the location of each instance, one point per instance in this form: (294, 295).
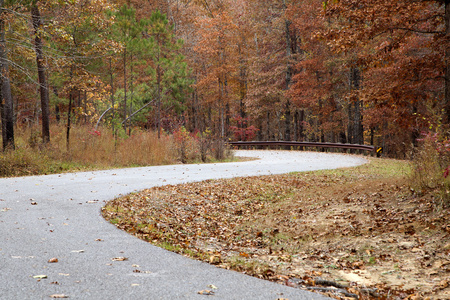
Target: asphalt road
(58, 216)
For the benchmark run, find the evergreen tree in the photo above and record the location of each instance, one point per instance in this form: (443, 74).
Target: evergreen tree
(169, 72)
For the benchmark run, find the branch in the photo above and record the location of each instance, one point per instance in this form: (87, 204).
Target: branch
(133, 114)
(104, 113)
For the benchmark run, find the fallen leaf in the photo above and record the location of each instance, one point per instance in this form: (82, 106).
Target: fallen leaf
(40, 276)
(53, 260)
(444, 284)
(206, 292)
(215, 259)
(119, 258)
(59, 296)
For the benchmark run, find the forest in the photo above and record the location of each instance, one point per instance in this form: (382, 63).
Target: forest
(363, 72)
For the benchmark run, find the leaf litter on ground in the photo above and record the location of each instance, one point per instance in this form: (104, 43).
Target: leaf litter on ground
(349, 233)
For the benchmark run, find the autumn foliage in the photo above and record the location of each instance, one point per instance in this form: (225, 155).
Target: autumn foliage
(366, 72)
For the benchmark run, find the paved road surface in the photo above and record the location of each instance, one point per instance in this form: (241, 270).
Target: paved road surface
(65, 223)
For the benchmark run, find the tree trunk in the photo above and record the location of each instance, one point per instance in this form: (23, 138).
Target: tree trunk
(3, 121)
(287, 120)
(57, 109)
(158, 113)
(447, 61)
(287, 129)
(357, 127)
(6, 102)
(111, 82)
(295, 126)
(289, 71)
(355, 84)
(125, 90)
(85, 108)
(242, 85)
(227, 108)
(69, 118)
(350, 124)
(43, 85)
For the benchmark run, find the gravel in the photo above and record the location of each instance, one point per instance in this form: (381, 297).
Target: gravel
(58, 216)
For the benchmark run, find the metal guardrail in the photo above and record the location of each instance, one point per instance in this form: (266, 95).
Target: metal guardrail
(303, 144)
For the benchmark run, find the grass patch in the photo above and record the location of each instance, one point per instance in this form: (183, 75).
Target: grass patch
(98, 149)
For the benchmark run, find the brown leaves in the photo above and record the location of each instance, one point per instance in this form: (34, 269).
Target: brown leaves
(296, 226)
(206, 292)
(119, 258)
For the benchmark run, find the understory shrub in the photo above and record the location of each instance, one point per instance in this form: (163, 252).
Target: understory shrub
(431, 168)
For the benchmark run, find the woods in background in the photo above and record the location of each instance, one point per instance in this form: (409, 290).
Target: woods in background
(373, 72)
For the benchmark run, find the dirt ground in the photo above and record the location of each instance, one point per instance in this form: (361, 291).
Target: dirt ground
(348, 234)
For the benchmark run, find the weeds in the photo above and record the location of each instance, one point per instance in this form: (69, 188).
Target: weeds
(98, 149)
(431, 166)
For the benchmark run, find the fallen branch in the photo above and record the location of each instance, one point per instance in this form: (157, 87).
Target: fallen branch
(333, 290)
(136, 112)
(104, 113)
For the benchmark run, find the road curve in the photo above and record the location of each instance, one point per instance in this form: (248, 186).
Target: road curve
(58, 216)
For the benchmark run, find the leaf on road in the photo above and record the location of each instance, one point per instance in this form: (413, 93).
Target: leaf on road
(59, 296)
(53, 260)
(119, 258)
(206, 292)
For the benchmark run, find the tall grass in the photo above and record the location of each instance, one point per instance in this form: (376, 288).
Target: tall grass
(430, 169)
(94, 149)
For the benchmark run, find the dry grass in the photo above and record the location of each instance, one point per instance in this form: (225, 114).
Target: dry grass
(430, 170)
(93, 149)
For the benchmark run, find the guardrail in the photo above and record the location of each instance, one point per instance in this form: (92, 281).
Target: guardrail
(303, 144)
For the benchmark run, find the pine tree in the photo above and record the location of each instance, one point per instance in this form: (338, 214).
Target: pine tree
(169, 72)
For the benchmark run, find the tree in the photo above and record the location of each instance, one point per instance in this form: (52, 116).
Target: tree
(169, 73)
(128, 32)
(40, 62)
(218, 49)
(276, 51)
(79, 34)
(408, 42)
(6, 102)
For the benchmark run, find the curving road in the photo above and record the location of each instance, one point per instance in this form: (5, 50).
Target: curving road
(42, 217)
